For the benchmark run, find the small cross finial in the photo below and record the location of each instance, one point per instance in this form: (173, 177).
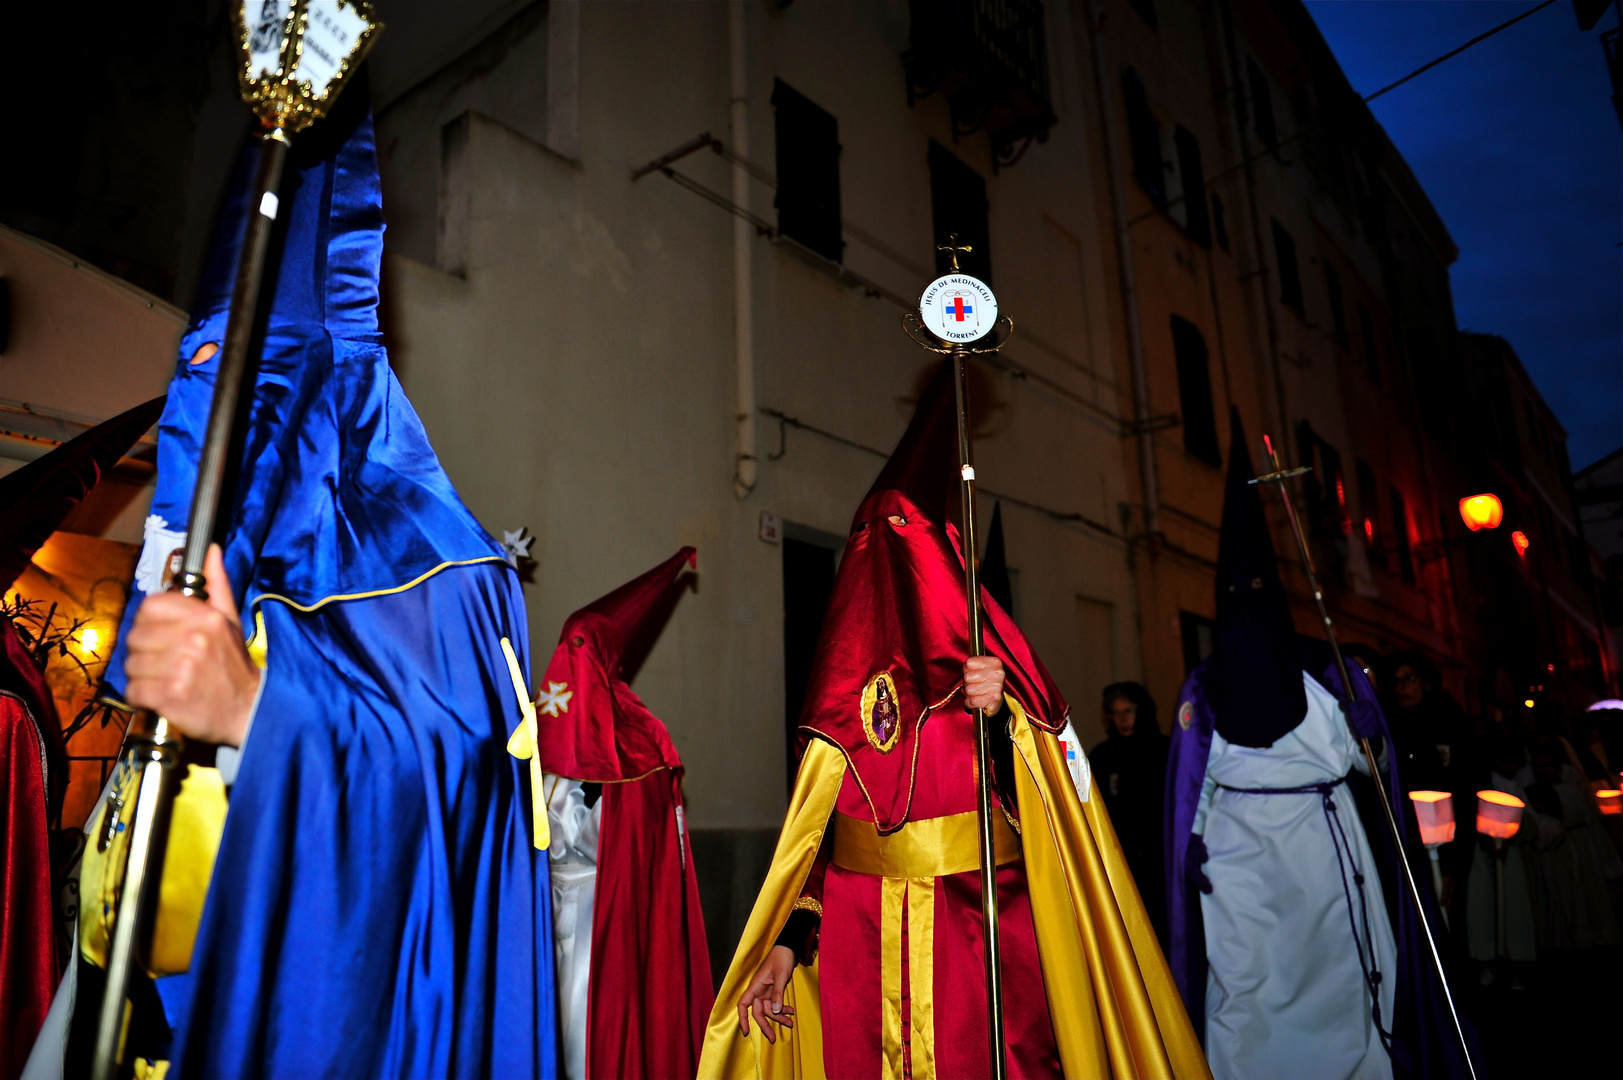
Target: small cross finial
(955, 247)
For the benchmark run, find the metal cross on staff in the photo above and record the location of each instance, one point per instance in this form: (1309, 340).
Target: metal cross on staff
(1278, 478)
(929, 329)
(955, 247)
(292, 63)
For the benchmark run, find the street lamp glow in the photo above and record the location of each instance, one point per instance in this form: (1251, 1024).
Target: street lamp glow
(90, 639)
(1481, 512)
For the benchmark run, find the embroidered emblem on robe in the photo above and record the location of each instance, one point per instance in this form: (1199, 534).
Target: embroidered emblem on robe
(881, 715)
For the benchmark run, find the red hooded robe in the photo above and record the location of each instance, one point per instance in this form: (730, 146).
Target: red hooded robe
(650, 989)
(33, 760)
(880, 838)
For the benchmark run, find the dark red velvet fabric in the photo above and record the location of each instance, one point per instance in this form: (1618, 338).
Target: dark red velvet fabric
(19, 676)
(33, 765)
(649, 994)
(35, 498)
(849, 978)
(899, 605)
(605, 733)
(33, 760)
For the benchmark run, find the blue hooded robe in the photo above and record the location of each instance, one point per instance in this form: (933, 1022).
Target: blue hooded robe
(377, 907)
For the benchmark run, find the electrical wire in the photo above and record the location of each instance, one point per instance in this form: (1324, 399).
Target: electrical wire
(1421, 70)
(1485, 35)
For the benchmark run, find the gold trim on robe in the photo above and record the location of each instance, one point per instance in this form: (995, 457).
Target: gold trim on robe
(892, 900)
(798, 1051)
(921, 972)
(1115, 1010)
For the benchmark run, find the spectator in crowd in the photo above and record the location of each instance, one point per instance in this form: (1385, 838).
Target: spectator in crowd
(1435, 748)
(1574, 857)
(1609, 734)
(1129, 768)
(1502, 951)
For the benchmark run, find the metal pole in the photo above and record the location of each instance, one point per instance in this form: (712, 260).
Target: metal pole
(1501, 950)
(1278, 476)
(233, 361)
(159, 756)
(153, 742)
(983, 755)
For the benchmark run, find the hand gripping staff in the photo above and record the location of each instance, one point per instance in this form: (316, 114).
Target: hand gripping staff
(955, 312)
(1278, 478)
(293, 59)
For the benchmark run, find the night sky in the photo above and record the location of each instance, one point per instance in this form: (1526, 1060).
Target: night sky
(1518, 146)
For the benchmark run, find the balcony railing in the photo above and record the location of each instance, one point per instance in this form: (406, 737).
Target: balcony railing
(989, 59)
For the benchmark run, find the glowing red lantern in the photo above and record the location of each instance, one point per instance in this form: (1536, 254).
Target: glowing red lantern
(1519, 538)
(1498, 814)
(1610, 800)
(1435, 812)
(1481, 512)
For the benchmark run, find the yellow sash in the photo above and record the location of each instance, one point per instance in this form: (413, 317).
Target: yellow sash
(929, 848)
(1116, 1012)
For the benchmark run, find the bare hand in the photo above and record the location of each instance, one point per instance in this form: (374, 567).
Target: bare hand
(187, 661)
(765, 994)
(983, 684)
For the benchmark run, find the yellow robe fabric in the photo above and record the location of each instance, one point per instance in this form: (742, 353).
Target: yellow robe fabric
(1115, 1009)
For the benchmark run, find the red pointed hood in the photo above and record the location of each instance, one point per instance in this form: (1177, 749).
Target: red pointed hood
(897, 626)
(35, 498)
(592, 726)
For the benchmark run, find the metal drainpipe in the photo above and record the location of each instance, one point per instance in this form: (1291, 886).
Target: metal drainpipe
(1129, 286)
(745, 463)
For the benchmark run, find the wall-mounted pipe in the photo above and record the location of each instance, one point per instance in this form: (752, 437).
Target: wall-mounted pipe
(744, 463)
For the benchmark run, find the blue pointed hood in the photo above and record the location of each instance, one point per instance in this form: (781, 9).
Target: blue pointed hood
(335, 492)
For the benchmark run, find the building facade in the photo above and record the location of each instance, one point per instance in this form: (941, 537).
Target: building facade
(643, 280)
(1598, 490)
(1286, 266)
(645, 270)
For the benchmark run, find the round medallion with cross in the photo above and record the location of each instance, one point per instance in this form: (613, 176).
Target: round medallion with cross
(957, 307)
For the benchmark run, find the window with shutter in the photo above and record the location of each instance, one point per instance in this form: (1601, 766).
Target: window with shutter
(1338, 310)
(958, 205)
(1195, 392)
(1144, 134)
(1196, 220)
(1262, 105)
(808, 162)
(1290, 274)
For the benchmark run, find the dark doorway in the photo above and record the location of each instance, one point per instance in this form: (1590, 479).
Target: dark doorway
(808, 580)
(1199, 638)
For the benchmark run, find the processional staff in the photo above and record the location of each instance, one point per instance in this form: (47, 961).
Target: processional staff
(293, 59)
(956, 311)
(1278, 478)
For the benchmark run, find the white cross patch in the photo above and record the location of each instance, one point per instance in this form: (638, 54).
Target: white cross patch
(554, 699)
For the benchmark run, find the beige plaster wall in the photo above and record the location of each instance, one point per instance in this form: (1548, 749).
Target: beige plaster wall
(577, 377)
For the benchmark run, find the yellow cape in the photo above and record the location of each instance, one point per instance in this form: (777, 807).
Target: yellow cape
(1115, 1010)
